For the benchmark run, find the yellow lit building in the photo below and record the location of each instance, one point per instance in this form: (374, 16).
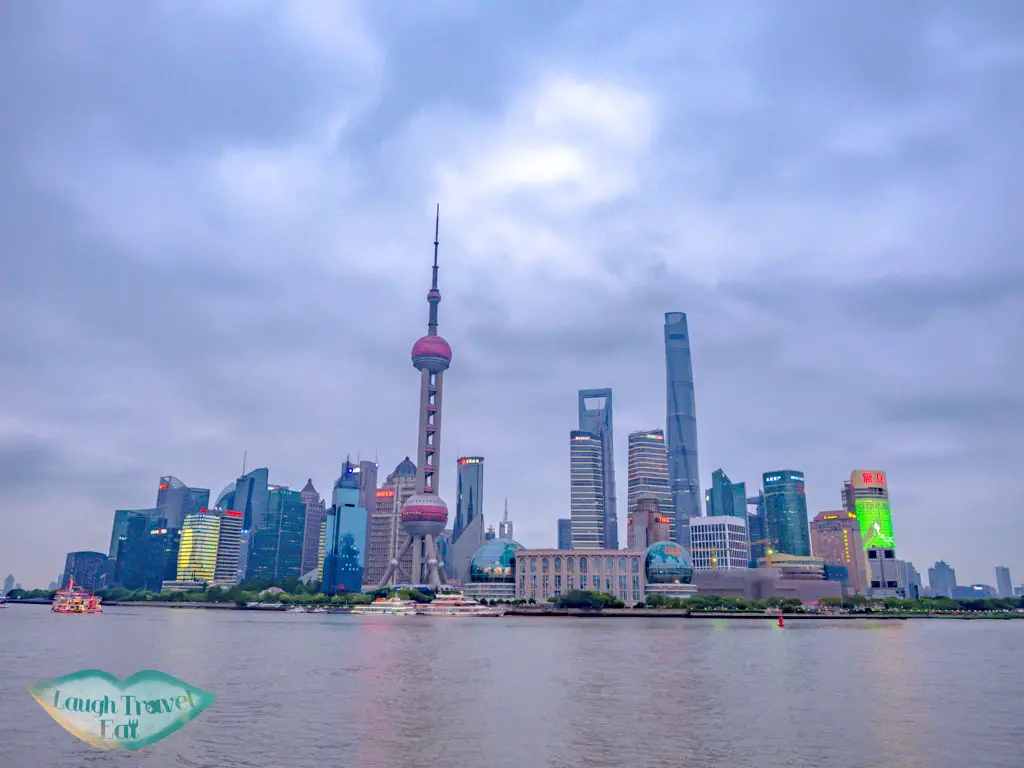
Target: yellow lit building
(197, 553)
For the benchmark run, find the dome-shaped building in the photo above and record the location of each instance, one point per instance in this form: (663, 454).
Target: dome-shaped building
(405, 467)
(492, 571)
(668, 563)
(495, 560)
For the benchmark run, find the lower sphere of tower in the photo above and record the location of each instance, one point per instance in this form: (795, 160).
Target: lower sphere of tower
(431, 353)
(423, 514)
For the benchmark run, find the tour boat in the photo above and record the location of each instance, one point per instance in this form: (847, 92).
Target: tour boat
(75, 600)
(456, 604)
(392, 606)
(3, 601)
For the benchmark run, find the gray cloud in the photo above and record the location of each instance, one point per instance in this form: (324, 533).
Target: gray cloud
(218, 241)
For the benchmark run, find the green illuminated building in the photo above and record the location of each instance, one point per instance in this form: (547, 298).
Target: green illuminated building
(866, 495)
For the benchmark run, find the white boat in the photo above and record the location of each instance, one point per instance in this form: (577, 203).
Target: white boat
(296, 609)
(391, 606)
(321, 609)
(457, 604)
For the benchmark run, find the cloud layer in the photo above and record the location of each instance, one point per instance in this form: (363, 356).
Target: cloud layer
(216, 225)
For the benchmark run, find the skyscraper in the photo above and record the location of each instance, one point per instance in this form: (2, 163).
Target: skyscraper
(719, 542)
(564, 533)
(175, 500)
(595, 407)
(1003, 583)
(867, 496)
(505, 525)
(681, 413)
(8, 584)
(251, 497)
(942, 579)
(316, 514)
(229, 548)
(139, 561)
(835, 538)
(726, 497)
(909, 579)
(386, 522)
(120, 528)
(366, 471)
(468, 530)
(345, 536)
(197, 552)
(786, 512)
(586, 490)
(276, 546)
(647, 465)
(757, 529)
(87, 569)
(424, 515)
(647, 523)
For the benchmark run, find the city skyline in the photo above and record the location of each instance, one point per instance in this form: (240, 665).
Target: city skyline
(254, 257)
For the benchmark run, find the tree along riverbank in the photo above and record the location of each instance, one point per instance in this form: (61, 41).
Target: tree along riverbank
(268, 595)
(548, 611)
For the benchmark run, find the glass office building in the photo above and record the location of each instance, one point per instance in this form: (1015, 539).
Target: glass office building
(786, 513)
(345, 537)
(681, 415)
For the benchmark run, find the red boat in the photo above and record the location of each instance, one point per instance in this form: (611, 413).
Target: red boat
(75, 600)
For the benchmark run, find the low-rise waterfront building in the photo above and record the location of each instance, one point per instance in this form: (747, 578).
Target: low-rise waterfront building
(545, 573)
(794, 566)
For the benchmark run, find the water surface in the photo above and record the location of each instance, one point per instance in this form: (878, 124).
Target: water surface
(316, 690)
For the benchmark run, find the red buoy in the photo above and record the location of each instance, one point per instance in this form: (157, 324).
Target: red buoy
(781, 622)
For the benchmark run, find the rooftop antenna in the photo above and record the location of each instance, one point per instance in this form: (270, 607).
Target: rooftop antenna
(245, 455)
(506, 509)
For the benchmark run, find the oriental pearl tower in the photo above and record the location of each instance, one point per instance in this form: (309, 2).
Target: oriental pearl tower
(424, 514)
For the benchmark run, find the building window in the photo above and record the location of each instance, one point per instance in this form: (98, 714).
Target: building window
(570, 564)
(558, 582)
(558, 565)
(596, 581)
(634, 564)
(608, 563)
(545, 564)
(622, 563)
(533, 564)
(583, 565)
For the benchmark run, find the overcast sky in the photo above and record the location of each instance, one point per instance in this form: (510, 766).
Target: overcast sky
(216, 224)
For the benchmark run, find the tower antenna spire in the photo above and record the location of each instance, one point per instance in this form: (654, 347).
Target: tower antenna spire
(437, 230)
(434, 295)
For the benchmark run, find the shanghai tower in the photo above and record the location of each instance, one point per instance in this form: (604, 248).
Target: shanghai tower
(425, 514)
(683, 475)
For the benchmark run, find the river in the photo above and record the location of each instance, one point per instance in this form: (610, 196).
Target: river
(316, 691)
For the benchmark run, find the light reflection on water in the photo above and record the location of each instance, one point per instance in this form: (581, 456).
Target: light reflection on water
(322, 690)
